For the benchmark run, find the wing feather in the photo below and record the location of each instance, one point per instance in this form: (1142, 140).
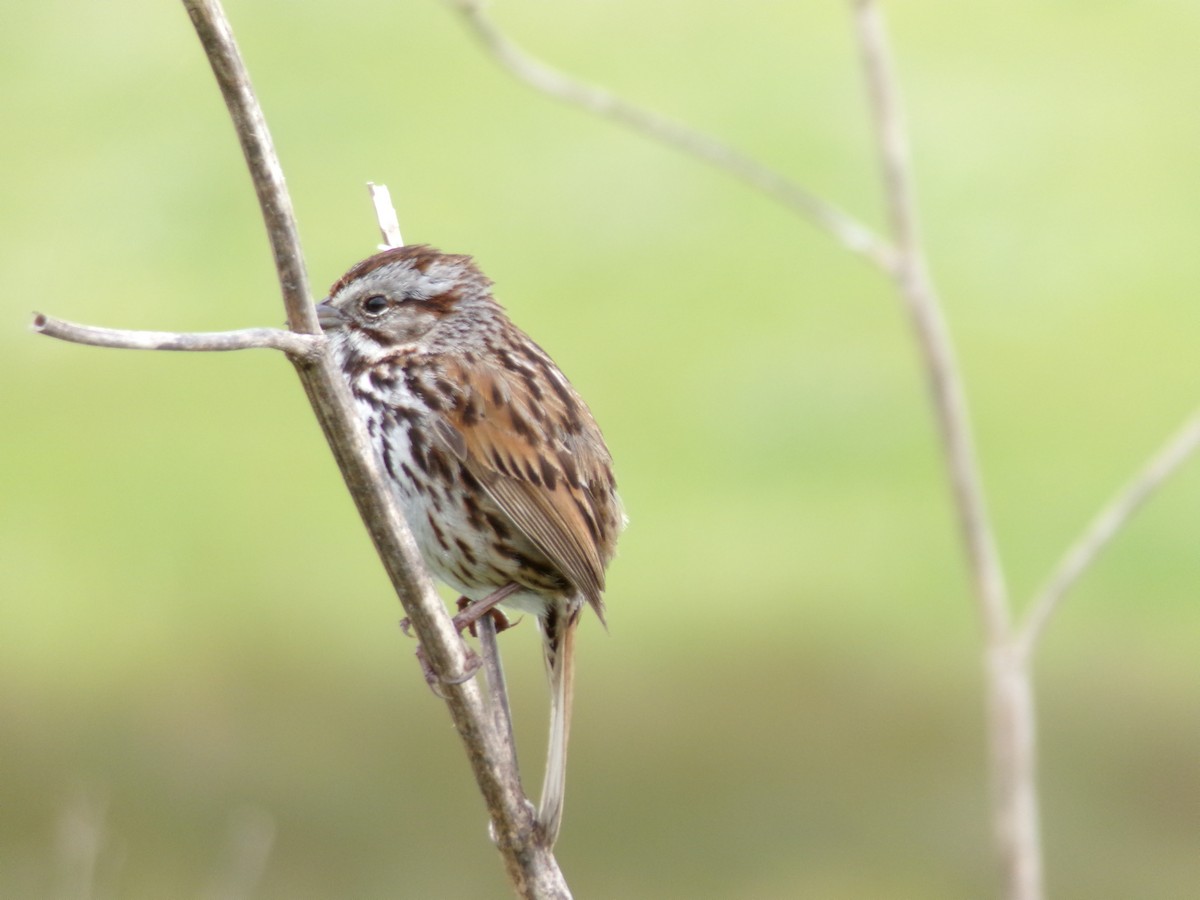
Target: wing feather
(538, 454)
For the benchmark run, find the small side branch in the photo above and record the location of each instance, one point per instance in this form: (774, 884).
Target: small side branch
(1104, 527)
(297, 346)
(385, 214)
(839, 225)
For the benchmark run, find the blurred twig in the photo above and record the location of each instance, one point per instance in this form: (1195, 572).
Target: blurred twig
(244, 857)
(1011, 718)
(80, 841)
(839, 225)
(1181, 446)
(1008, 672)
(928, 322)
(1011, 708)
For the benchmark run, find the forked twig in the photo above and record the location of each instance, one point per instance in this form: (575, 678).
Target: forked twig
(838, 224)
(1011, 715)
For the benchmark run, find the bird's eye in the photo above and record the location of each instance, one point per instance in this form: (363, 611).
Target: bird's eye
(375, 304)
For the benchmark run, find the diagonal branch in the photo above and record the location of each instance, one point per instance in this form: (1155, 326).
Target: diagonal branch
(1178, 449)
(325, 386)
(839, 225)
(530, 865)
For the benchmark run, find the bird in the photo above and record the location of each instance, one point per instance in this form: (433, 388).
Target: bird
(501, 471)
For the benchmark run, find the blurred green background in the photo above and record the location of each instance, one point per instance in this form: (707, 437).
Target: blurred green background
(196, 643)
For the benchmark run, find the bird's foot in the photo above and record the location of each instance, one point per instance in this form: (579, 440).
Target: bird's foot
(468, 616)
(471, 612)
(435, 681)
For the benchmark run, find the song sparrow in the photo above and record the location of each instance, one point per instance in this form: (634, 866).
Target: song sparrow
(501, 471)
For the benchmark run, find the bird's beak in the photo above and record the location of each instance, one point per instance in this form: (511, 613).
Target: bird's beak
(330, 318)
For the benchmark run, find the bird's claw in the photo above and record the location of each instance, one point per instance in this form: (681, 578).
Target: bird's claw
(468, 615)
(465, 621)
(435, 681)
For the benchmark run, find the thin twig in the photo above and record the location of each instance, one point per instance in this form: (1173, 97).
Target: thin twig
(385, 215)
(904, 262)
(494, 669)
(839, 225)
(82, 840)
(1178, 449)
(244, 858)
(929, 324)
(1011, 714)
(301, 346)
(1011, 718)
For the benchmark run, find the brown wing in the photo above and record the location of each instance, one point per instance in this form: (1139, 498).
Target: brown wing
(527, 437)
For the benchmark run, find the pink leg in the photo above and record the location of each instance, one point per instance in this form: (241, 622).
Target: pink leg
(471, 612)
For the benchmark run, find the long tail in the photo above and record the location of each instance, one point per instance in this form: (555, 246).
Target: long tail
(558, 633)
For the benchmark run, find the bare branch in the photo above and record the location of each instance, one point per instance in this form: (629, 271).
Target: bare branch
(531, 867)
(839, 225)
(385, 214)
(1104, 527)
(1011, 713)
(300, 346)
(1011, 719)
(929, 324)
